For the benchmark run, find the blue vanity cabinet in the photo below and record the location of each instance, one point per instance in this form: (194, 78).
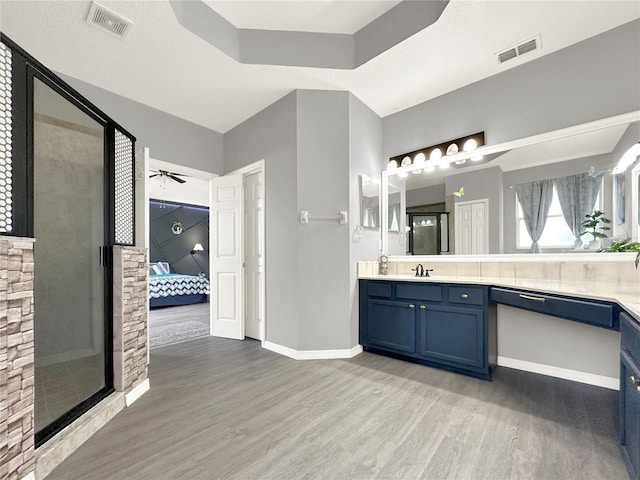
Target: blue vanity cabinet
(453, 335)
(391, 325)
(439, 325)
(630, 394)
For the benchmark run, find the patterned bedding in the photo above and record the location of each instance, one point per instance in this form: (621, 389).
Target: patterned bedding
(173, 284)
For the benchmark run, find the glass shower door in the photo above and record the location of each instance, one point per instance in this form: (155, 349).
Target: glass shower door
(71, 371)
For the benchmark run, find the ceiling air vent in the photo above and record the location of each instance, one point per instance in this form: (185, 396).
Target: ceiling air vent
(106, 19)
(516, 51)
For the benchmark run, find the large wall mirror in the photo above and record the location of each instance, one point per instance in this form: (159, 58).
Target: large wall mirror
(481, 199)
(370, 204)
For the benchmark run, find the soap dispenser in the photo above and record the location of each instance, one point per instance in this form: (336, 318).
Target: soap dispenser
(383, 265)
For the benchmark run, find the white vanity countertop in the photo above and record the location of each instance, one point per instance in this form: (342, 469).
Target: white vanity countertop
(627, 295)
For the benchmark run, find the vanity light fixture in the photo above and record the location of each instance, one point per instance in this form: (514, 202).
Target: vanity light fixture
(436, 152)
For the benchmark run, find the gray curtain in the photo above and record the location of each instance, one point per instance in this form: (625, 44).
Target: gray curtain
(535, 199)
(577, 195)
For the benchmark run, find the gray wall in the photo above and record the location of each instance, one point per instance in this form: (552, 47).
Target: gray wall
(323, 246)
(315, 145)
(169, 138)
(271, 135)
(365, 151)
(594, 79)
(426, 195)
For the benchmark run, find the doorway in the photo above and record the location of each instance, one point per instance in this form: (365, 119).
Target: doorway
(251, 235)
(178, 243)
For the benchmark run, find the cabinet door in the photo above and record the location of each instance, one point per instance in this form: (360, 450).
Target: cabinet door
(452, 334)
(391, 325)
(630, 414)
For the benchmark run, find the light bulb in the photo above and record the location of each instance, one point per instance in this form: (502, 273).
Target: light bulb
(470, 145)
(419, 159)
(477, 158)
(402, 174)
(444, 165)
(392, 165)
(406, 161)
(435, 154)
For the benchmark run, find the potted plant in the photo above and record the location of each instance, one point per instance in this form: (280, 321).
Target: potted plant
(625, 245)
(595, 223)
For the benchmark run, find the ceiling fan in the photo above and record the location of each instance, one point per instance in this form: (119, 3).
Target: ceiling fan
(165, 176)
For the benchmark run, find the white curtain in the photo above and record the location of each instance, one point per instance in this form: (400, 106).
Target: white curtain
(535, 199)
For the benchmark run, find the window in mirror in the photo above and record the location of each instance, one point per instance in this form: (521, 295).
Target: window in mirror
(557, 233)
(369, 202)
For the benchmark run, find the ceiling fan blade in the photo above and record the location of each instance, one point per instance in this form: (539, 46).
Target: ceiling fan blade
(177, 179)
(155, 175)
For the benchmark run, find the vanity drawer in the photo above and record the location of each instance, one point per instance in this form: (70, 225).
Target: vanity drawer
(379, 289)
(601, 314)
(466, 295)
(419, 291)
(630, 336)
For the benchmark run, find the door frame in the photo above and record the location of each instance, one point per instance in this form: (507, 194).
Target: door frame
(258, 167)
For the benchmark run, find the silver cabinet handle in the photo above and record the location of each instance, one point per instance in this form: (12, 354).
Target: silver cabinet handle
(411, 305)
(529, 297)
(464, 295)
(423, 307)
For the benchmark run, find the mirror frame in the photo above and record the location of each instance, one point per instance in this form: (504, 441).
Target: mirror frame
(629, 117)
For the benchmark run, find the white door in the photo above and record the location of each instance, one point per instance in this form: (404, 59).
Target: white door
(479, 229)
(463, 229)
(472, 228)
(226, 251)
(253, 255)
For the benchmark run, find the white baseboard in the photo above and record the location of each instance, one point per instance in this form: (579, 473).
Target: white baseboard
(612, 383)
(29, 476)
(312, 354)
(137, 392)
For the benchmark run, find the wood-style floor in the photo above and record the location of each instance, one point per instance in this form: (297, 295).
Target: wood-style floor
(177, 324)
(224, 409)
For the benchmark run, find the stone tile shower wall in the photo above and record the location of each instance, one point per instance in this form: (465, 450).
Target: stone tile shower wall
(17, 458)
(130, 298)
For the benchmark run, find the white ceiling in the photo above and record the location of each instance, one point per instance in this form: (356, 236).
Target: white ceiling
(166, 67)
(329, 16)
